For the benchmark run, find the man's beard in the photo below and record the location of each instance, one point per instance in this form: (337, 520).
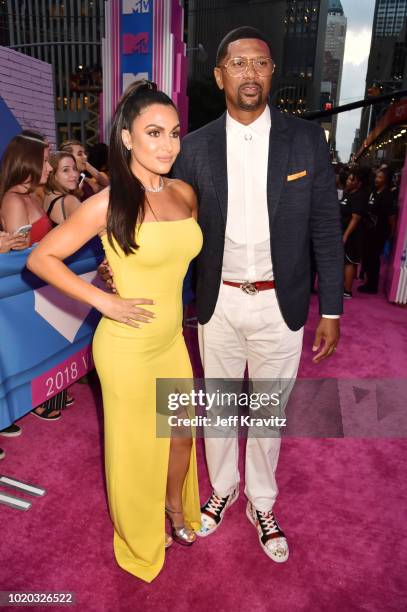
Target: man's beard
(252, 103)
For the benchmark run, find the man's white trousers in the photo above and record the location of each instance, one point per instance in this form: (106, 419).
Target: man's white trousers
(247, 329)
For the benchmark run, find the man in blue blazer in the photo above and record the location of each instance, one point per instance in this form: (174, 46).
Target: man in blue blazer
(266, 191)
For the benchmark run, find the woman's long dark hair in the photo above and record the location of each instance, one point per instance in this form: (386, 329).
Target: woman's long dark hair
(127, 195)
(22, 161)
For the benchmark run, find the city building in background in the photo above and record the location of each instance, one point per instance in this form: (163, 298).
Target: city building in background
(67, 34)
(355, 143)
(389, 17)
(387, 67)
(297, 87)
(333, 63)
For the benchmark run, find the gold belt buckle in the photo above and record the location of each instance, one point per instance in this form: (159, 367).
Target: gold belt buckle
(249, 288)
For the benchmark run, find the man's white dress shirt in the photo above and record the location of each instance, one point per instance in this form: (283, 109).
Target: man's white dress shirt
(247, 242)
(247, 254)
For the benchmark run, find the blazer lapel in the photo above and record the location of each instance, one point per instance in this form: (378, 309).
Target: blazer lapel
(279, 149)
(217, 154)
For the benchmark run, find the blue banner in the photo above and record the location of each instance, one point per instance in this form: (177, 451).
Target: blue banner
(45, 337)
(137, 40)
(9, 126)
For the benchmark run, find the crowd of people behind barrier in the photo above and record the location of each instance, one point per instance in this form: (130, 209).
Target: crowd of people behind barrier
(39, 189)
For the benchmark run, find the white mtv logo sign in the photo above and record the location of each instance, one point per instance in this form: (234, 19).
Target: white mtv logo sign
(130, 77)
(136, 6)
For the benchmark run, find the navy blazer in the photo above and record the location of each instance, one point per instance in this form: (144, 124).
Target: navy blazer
(302, 209)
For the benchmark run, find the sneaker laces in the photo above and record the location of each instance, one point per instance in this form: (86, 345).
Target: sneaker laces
(268, 523)
(215, 503)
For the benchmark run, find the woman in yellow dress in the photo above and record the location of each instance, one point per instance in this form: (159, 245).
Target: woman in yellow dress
(148, 229)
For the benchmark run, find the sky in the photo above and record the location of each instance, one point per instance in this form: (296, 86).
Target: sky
(359, 14)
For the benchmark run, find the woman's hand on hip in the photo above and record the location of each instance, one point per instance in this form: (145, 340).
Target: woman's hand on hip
(128, 311)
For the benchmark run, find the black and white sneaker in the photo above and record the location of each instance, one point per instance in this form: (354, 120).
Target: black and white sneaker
(271, 538)
(213, 511)
(347, 294)
(12, 431)
(2, 453)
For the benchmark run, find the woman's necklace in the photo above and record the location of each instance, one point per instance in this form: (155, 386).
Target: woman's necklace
(155, 189)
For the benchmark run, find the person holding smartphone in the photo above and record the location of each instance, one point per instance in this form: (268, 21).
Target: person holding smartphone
(91, 181)
(12, 241)
(24, 168)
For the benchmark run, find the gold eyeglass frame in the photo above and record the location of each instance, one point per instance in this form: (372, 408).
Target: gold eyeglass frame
(249, 61)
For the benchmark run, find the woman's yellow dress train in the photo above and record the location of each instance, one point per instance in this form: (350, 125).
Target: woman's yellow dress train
(128, 361)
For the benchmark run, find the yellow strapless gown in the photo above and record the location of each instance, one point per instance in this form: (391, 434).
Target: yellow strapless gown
(128, 361)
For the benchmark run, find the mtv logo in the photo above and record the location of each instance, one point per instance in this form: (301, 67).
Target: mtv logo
(136, 43)
(135, 6)
(130, 77)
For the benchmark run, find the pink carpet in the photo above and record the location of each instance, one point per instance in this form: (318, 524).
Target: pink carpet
(342, 503)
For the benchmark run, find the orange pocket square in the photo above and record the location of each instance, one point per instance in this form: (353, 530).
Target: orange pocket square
(297, 175)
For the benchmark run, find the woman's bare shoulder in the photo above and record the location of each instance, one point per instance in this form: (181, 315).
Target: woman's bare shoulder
(13, 198)
(184, 190)
(179, 185)
(71, 200)
(93, 210)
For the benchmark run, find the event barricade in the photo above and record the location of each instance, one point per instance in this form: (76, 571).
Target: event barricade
(397, 275)
(45, 337)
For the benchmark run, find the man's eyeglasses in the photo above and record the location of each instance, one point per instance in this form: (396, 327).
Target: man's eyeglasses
(237, 66)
